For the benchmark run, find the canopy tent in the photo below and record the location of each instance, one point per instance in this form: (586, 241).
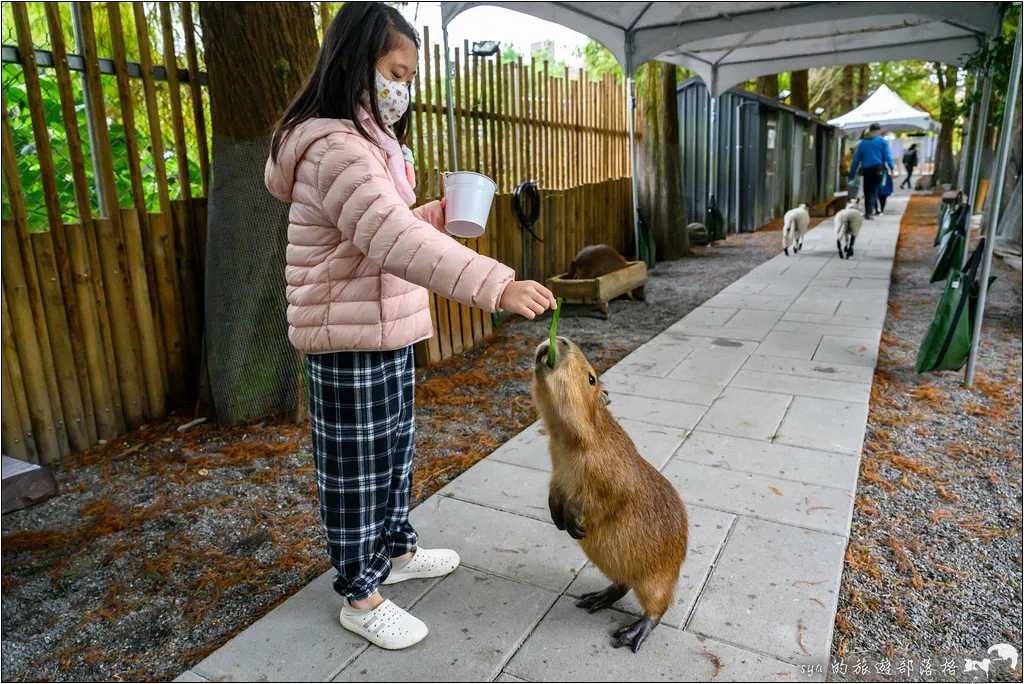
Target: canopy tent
(888, 109)
(728, 43)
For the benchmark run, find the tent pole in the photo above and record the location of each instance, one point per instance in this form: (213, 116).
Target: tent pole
(452, 164)
(631, 107)
(1005, 140)
(978, 149)
(712, 147)
(966, 144)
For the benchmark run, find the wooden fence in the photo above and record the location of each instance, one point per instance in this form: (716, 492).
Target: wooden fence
(103, 242)
(102, 316)
(515, 122)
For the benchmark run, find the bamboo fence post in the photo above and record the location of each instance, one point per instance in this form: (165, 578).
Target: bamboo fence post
(174, 91)
(19, 407)
(96, 337)
(162, 246)
(196, 89)
(136, 231)
(448, 314)
(26, 338)
(57, 355)
(116, 278)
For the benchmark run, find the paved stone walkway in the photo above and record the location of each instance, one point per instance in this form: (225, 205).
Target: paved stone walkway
(753, 405)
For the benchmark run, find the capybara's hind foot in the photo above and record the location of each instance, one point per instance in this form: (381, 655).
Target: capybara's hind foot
(598, 600)
(633, 635)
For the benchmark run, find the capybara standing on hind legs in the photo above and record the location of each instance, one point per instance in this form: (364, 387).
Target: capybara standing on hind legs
(628, 518)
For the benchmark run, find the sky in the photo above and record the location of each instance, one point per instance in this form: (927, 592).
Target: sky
(495, 23)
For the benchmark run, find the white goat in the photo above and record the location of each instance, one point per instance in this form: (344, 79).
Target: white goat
(794, 227)
(847, 223)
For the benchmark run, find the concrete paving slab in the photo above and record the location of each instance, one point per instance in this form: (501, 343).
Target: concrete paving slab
(782, 289)
(770, 459)
(617, 382)
(709, 314)
(849, 351)
(708, 529)
(773, 587)
(189, 676)
(709, 366)
(794, 345)
(801, 386)
(504, 486)
(696, 343)
(506, 677)
(858, 321)
(656, 443)
(745, 413)
(825, 425)
(844, 372)
(300, 640)
(476, 622)
(502, 543)
(531, 454)
(755, 302)
(835, 330)
(744, 286)
(812, 506)
(571, 646)
(657, 411)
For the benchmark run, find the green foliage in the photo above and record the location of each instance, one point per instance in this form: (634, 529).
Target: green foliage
(16, 100)
(599, 60)
(510, 54)
(996, 56)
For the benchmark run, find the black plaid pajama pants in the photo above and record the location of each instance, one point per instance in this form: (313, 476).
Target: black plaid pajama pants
(361, 411)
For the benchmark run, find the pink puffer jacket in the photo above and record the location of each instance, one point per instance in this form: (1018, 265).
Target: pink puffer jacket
(358, 258)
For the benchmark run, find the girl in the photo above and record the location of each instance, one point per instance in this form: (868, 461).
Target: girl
(358, 262)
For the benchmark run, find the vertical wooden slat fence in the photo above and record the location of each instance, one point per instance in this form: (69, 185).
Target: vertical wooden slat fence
(94, 318)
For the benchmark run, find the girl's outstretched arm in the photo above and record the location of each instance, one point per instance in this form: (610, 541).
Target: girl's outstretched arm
(361, 200)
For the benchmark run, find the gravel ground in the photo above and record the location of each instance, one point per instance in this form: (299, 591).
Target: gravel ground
(933, 569)
(162, 545)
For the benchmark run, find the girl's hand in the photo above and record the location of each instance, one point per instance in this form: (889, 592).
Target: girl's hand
(432, 213)
(527, 298)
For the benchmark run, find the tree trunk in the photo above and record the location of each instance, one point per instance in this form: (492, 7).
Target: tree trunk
(660, 169)
(846, 90)
(945, 166)
(799, 95)
(768, 85)
(862, 83)
(257, 55)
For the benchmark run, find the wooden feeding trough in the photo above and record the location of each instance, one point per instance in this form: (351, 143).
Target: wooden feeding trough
(590, 296)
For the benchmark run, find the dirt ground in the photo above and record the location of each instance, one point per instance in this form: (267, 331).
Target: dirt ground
(162, 545)
(933, 568)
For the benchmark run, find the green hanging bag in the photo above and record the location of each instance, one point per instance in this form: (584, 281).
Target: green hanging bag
(946, 214)
(954, 245)
(947, 343)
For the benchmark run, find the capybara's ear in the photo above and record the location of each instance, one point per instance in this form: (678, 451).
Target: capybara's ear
(605, 398)
(572, 270)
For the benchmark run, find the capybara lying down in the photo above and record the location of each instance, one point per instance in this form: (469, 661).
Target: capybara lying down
(628, 518)
(594, 261)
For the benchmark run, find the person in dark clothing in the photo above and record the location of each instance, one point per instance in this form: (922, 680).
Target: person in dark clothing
(884, 190)
(909, 162)
(871, 158)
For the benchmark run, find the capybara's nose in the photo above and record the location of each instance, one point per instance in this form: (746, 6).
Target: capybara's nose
(542, 352)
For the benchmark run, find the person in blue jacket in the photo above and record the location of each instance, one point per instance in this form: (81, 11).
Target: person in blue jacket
(871, 158)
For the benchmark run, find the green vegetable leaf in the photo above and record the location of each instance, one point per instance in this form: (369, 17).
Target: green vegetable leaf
(554, 331)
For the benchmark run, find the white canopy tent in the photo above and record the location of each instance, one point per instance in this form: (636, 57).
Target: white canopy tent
(888, 109)
(728, 43)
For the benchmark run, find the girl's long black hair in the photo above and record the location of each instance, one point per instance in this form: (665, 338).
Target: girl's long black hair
(360, 34)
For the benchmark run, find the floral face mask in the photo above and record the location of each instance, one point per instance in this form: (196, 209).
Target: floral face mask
(392, 98)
